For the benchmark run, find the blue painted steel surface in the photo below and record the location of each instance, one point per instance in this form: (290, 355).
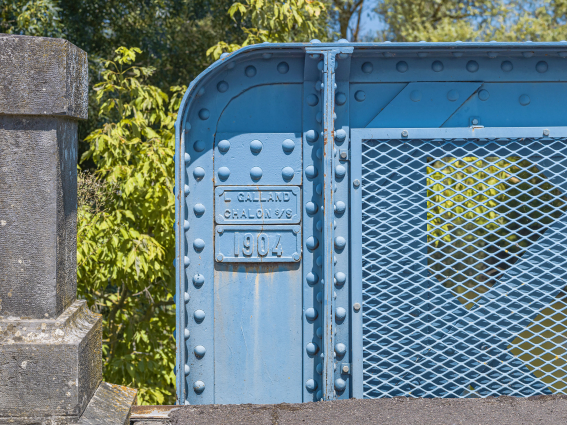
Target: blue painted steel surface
(389, 218)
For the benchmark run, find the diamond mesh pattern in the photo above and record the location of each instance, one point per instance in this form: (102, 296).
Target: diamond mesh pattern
(464, 267)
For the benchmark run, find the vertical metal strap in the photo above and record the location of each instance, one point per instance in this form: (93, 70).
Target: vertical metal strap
(328, 227)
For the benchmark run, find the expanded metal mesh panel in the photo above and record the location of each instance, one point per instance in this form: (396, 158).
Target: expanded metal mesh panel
(464, 267)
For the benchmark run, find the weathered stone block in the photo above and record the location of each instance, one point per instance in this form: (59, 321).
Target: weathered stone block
(42, 76)
(38, 209)
(49, 368)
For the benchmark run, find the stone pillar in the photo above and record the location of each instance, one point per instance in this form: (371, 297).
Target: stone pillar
(50, 342)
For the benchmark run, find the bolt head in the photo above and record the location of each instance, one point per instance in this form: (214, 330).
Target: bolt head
(404, 133)
(475, 121)
(343, 154)
(345, 369)
(220, 230)
(220, 257)
(356, 183)
(546, 132)
(356, 307)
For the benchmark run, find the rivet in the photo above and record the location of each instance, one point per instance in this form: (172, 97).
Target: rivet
(288, 145)
(340, 171)
(224, 146)
(340, 242)
(319, 189)
(319, 153)
(311, 136)
(220, 230)
(288, 173)
(199, 315)
(340, 207)
(452, 95)
(187, 369)
(311, 172)
(250, 71)
(422, 54)
(199, 209)
(311, 208)
(231, 65)
(319, 225)
(356, 307)
(186, 261)
(224, 55)
(527, 54)
(319, 117)
(312, 278)
(311, 348)
(199, 146)
(220, 258)
(186, 189)
(340, 349)
(200, 351)
(311, 314)
(319, 297)
(204, 114)
(492, 55)
(340, 314)
(318, 85)
(507, 66)
(340, 98)
(312, 100)
(340, 135)
(187, 158)
(199, 244)
(256, 173)
(201, 92)
(356, 183)
(483, 95)
(198, 280)
(311, 243)
(404, 133)
(199, 173)
(367, 67)
(186, 333)
(199, 386)
(340, 384)
(320, 66)
(283, 67)
(319, 262)
(266, 55)
(319, 369)
(415, 95)
(295, 256)
(472, 66)
(315, 41)
(222, 86)
(186, 225)
(541, 67)
(223, 173)
(546, 132)
(524, 100)
(437, 66)
(311, 385)
(296, 229)
(402, 66)
(256, 146)
(319, 332)
(360, 95)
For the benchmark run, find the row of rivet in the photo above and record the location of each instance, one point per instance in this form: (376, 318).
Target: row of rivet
(340, 242)
(313, 209)
(198, 246)
(471, 66)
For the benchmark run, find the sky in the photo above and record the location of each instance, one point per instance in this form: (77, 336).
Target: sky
(369, 22)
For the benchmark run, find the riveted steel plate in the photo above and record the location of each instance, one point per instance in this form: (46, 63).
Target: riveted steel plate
(258, 244)
(258, 159)
(257, 205)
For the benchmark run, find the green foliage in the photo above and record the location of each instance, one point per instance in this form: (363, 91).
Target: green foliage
(276, 22)
(125, 232)
(30, 17)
